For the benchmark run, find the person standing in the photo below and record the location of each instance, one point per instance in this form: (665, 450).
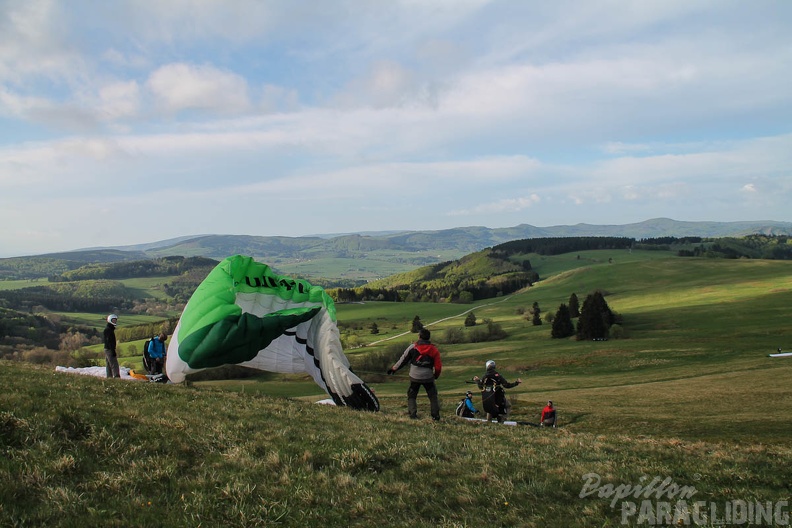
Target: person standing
(156, 350)
(111, 357)
(425, 367)
(493, 394)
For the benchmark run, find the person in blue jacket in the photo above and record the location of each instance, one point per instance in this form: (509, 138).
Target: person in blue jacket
(468, 410)
(156, 350)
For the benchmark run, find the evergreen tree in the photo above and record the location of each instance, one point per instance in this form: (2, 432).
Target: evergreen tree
(470, 320)
(574, 306)
(595, 319)
(537, 318)
(374, 328)
(416, 325)
(602, 307)
(562, 324)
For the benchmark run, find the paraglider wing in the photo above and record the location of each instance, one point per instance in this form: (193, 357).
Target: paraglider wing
(244, 314)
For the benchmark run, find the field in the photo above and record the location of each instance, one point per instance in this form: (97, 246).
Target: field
(688, 394)
(697, 337)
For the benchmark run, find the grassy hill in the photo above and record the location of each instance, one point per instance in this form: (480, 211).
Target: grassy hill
(688, 394)
(357, 258)
(93, 452)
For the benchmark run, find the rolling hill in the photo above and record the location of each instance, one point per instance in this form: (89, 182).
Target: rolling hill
(365, 257)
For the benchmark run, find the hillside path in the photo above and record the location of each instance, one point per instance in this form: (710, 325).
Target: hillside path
(441, 320)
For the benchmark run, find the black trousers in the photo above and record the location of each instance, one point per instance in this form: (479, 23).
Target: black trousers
(431, 392)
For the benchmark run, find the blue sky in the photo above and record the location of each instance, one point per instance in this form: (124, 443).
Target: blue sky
(127, 122)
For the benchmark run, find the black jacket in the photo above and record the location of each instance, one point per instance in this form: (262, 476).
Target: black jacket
(109, 338)
(492, 378)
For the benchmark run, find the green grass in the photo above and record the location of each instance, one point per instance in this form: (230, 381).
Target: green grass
(81, 451)
(378, 264)
(99, 321)
(26, 283)
(689, 394)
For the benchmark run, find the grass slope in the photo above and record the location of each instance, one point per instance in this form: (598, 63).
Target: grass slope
(689, 394)
(81, 451)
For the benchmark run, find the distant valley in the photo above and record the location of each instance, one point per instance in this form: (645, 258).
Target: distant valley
(364, 257)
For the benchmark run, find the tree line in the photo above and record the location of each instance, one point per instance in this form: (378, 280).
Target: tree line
(160, 267)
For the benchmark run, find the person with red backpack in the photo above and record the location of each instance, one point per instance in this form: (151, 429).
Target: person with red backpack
(425, 367)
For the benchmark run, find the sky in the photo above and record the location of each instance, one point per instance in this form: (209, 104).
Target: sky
(129, 122)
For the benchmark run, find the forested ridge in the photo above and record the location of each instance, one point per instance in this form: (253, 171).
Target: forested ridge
(28, 319)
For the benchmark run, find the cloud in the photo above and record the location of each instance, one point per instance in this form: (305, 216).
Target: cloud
(119, 100)
(560, 112)
(506, 205)
(181, 86)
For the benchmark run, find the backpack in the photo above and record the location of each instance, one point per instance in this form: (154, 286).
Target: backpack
(460, 408)
(463, 411)
(420, 360)
(146, 357)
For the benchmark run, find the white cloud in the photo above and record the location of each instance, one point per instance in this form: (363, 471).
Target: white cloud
(119, 100)
(562, 112)
(509, 205)
(181, 86)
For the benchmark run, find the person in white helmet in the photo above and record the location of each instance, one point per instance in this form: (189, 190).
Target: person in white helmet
(111, 357)
(493, 395)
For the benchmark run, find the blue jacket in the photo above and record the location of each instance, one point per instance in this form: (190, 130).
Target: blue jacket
(156, 348)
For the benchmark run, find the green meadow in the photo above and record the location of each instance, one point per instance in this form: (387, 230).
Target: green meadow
(686, 394)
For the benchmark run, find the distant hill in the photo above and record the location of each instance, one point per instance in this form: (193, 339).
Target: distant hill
(462, 239)
(411, 248)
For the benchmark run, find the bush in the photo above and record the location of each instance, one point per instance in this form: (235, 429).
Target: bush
(489, 331)
(453, 336)
(83, 358)
(375, 361)
(478, 335)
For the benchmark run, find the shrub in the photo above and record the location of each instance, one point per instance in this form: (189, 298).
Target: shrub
(453, 336)
(375, 361)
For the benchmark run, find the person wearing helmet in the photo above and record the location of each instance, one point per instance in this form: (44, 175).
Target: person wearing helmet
(467, 409)
(425, 367)
(111, 358)
(493, 394)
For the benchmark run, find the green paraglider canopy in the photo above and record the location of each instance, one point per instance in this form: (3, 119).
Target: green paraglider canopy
(245, 314)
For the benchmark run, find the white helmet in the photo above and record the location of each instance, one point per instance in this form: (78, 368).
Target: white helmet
(110, 319)
(489, 364)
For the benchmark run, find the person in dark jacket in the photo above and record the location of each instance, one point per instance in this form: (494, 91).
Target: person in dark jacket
(156, 351)
(425, 367)
(493, 394)
(111, 357)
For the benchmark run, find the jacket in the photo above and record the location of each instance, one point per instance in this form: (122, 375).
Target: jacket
(156, 348)
(494, 380)
(424, 360)
(109, 338)
(548, 413)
